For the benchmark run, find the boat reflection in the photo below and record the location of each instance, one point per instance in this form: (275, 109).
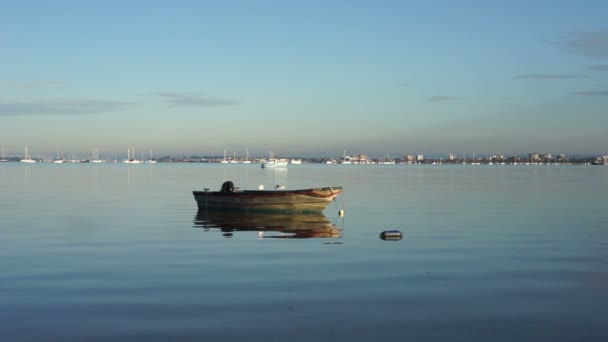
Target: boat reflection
(268, 225)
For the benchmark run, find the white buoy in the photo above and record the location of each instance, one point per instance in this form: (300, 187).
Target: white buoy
(391, 235)
(341, 213)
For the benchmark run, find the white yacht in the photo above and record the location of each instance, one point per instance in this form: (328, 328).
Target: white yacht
(273, 163)
(3, 160)
(247, 161)
(151, 160)
(96, 156)
(225, 160)
(131, 159)
(27, 158)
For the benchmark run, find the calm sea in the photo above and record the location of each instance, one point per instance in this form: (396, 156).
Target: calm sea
(489, 253)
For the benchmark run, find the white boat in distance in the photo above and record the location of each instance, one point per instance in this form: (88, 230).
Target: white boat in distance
(131, 159)
(247, 161)
(275, 163)
(96, 156)
(151, 160)
(3, 160)
(27, 158)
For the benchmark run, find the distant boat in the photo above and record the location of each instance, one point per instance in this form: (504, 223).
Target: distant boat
(247, 161)
(231, 198)
(59, 159)
(96, 156)
(233, 160)
(296, 161)
(225, 160)
(27, 158)
(346, 160)
(388, 161)
(151, 160)
(3, 160)
(131, 159)
(274, 163)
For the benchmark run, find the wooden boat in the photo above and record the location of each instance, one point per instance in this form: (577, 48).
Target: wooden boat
(289, 226)
(230, 198)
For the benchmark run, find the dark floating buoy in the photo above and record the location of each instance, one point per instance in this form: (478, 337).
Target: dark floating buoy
(391, 235)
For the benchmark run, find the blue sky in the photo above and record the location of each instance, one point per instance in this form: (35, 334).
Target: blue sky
(304, 77)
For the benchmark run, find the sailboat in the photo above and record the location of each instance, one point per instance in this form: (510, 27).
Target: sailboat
(233, 160)
(247, 161)
(27, 158)
(131, 159)
(59, 159)
(3, 160)
(345, 159)
(151, 160)
(96, 156)
(225, 160)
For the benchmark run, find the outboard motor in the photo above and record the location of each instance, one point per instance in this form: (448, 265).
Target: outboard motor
(228, 186)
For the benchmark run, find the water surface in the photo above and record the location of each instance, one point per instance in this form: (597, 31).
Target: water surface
(117, 252)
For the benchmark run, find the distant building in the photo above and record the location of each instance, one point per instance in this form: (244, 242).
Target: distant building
(419, 157)
(534, 156)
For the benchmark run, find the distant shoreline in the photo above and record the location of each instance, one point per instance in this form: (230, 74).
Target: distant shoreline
(491, 161)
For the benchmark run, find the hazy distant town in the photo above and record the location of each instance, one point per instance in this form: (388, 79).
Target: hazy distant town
(359, 159)
(529, 159)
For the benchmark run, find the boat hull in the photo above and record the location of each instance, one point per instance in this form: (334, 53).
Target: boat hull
(274, 165)
(305, 200)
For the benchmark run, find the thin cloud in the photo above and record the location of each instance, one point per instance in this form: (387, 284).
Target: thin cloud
(441, 98)
(32, 84)
(599, 67)
(592, 93)
(196, 99)
(53, 107)
(590, 44)
(546, 76)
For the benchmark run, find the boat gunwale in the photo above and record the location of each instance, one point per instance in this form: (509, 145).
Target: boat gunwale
(270, 193)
